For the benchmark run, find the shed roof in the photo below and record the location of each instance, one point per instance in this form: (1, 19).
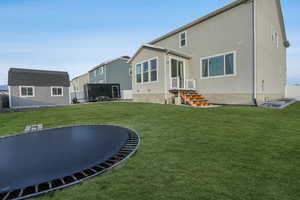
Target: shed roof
(43, 78)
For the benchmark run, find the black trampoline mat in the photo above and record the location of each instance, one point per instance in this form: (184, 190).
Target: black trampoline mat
(35, 158)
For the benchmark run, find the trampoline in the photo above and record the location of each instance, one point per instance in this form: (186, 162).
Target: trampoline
(36, 163)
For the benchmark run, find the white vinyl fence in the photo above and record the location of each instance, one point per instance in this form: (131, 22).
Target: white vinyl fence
(293, 91)
(126, 94)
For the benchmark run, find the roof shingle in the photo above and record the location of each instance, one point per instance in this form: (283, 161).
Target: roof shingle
(29, 77)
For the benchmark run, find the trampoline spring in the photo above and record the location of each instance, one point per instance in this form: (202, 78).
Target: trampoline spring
(73, 177)
(6, 196)
(130, 145)
(36, 188)
(107, 163)
(93, 170)
(83, 173)
(124, 152)
(102, 168)
(50, 184)
(63, 181)
(127, 149)
(21, 193)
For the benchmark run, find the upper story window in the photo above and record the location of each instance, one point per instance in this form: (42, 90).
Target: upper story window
(146, 71)
(101, 70)
(275, 38)
(95, 73)
(26, 91)
(218, 66)
(183, 39)
(56, 91)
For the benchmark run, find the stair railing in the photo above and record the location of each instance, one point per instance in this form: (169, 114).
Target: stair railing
(190, 84)
(175, 83)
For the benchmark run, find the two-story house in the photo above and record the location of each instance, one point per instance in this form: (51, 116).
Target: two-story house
(234, 55)
(114, 71)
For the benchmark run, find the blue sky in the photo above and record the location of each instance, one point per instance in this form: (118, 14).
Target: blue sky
(75, 35)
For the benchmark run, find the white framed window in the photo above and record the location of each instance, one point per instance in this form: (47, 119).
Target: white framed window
(101, 70)
(138, 72)
(95, 73)
(183, 39)
(275, 38)
(221, 65)
(153, 70)
(27, 91)
(147, 71)
(57, 91)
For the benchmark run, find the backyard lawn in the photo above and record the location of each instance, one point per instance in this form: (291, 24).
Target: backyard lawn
(223, 153)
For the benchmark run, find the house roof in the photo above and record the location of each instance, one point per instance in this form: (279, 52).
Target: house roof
(125, 58)
(80, 76)
(220, 11)
(162, 49)
(30, 77)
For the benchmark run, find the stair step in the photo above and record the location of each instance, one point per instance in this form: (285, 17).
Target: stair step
(199, 102)
(195, 99)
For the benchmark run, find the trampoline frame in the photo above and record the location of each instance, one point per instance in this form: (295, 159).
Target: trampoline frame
(125, 152)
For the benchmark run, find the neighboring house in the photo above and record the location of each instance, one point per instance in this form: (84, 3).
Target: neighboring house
(114, 71)
(234, 55)
(77, 87)
(37, 88)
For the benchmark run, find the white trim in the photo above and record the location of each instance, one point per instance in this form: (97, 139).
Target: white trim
(184, 71)
(220, 76)
(105, 73)
(149, 71)
(112, 88)
(9, 96)
(101, 70)
(165, 75)
(254, 51)
(38, 106)
(24, 86)
(186, 40)
(62, 91)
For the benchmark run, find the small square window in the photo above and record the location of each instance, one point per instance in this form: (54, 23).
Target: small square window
(57, 91)
(101, 70)
(26, 91)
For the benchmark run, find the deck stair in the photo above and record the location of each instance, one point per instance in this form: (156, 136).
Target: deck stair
(194, 99)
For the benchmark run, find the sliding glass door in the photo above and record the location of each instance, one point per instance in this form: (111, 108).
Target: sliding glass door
(177, 72)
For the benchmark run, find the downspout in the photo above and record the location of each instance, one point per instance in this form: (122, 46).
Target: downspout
(254, 52)
(165, 78)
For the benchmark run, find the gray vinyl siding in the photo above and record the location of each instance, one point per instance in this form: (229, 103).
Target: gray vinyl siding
(42, 98)
(118, 72)
(96, 76)
(114, 72)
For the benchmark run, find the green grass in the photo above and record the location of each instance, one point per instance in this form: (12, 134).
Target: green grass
(187, 153)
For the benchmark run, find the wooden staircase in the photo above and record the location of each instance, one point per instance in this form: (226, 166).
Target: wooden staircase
(194, 99)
